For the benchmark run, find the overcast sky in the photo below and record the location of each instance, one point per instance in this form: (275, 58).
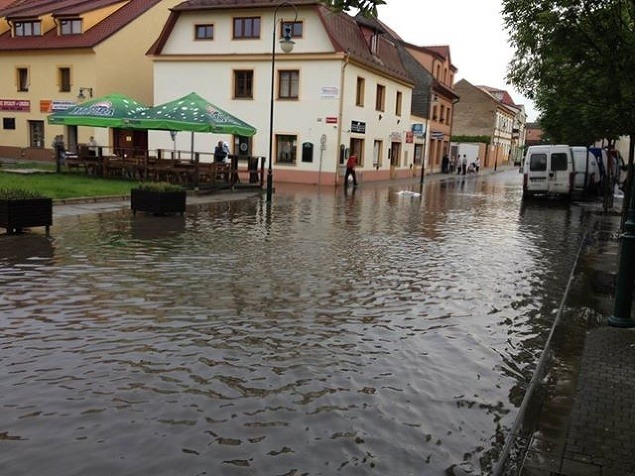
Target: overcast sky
(472, 28)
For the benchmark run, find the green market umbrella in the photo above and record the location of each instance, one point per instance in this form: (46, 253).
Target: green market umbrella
(191, 113)
(112, 110)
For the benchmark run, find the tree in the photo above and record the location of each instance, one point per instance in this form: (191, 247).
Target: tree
(366, 7)
(575, 59)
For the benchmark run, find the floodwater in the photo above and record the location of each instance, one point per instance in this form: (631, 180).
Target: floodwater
(375, 332)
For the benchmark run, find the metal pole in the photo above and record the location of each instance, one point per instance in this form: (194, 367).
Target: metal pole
(273, 71)
(624, 287)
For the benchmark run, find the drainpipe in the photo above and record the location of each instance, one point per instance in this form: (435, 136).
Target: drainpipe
(340, 113)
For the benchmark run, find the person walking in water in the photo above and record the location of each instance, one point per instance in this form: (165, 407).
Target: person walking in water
(351, 163)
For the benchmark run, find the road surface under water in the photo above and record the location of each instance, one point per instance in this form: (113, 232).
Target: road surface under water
(373, 332)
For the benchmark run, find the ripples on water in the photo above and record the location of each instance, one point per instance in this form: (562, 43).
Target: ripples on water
(364, 332)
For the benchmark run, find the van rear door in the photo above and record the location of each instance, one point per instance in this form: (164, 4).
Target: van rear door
(537, 176)
(560, 165)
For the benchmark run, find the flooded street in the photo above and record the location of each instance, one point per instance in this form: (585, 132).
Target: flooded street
(374, 332)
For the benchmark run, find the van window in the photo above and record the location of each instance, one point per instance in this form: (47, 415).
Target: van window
(559, 161)
(538, 162)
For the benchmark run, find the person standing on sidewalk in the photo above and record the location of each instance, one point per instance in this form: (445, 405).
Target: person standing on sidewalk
(464, 165)
(351, 163)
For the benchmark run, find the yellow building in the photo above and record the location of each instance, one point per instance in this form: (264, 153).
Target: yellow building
(56, 54)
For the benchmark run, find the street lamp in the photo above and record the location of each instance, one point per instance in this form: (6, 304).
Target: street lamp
(286, 44)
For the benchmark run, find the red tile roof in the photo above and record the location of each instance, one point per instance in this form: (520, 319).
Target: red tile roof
(500, 94)
(342, 29)
(51, 40)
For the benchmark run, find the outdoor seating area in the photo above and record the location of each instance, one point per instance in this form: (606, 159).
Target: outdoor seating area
(167, 166)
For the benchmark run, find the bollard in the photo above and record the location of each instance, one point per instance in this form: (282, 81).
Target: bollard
(624, 287)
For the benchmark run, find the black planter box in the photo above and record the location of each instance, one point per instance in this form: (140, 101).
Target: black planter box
(16, 214)
(158, 203)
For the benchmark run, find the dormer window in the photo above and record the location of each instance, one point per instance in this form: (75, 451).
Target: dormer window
(374, 40)
(27, 28)
(72, 26)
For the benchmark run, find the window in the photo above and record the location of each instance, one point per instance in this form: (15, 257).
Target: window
(558, 161)
(447, 116)
(538, 162)
(71, 27)
(442, 115)
(286, 149)
(380, 99)
(377, 153)
(22, 75)
(359, 94)
(204, 32)
(8, 123)
(356, 148)
(398, 101)
(64, 80)
(27, 28)
(244, 84)
(295, 28)
(247, 27)
(434, 113)
(288, 84)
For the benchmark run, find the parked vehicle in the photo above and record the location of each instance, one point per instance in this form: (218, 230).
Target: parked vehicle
(587, 171)
(548, 170)
(615, 166)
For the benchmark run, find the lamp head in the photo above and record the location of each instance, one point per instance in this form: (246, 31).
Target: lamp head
(286, 43)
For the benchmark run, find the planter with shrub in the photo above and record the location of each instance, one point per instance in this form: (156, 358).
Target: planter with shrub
(159, 198)
(21, 209)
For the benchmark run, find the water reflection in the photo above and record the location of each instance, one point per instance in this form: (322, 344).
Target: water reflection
(359, 332)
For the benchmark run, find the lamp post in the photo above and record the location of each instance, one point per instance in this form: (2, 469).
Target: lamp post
(624, 286)
(286, 44)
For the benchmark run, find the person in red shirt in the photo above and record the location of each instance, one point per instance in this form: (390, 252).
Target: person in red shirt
(351, 163)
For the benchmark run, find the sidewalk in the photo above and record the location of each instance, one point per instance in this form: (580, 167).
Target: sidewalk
(586, 416)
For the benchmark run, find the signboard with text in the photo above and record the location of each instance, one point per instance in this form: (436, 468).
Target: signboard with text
(358, 127)
(15, 105)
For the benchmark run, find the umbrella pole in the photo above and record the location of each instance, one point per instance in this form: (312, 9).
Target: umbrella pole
(195, 159)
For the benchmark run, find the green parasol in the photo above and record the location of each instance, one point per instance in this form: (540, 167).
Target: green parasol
(191, 113)
(112, 110)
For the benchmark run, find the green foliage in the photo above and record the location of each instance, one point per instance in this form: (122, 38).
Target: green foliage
(18, 194)
(473, 139)
(159, 187)
(575, 59)
(66, 185)
(366, 7)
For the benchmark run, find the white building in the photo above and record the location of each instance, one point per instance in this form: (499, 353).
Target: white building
(342, 90)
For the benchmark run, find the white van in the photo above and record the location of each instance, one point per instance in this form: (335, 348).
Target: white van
(548, 170)
(587, 170)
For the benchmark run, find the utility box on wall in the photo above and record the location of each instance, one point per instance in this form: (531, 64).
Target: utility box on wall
(307, 152)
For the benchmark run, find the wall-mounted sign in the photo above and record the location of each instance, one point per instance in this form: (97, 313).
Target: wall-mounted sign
(419, 130)
(331, 119)
(62, 105)
(409, 137)
(436, 135)
(358, 127)
(395, 136)
(330, 92)
(15, 105)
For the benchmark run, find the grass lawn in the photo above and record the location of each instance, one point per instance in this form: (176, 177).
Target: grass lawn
(64, 185)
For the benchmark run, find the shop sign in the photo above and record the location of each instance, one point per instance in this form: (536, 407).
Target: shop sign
(358, 127)
(409, 137)
(419, 130)
(331, 119)
(15, 105)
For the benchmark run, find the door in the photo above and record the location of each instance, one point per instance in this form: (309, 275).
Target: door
(559, 176)
(129, 143)
(395, 157)
(36, 134)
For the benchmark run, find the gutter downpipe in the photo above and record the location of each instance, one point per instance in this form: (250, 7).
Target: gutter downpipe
(340, 114)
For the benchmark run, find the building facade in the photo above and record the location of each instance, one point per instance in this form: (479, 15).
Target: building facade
(342, 90)
(54, 55)
(479, 114)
